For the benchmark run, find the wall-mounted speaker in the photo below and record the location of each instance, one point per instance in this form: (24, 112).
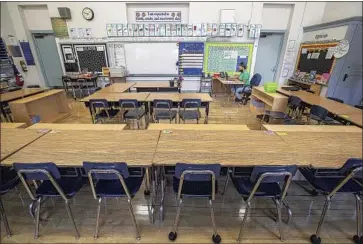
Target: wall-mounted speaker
(65, 13)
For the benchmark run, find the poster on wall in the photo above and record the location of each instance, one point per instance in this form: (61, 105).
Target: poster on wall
(158, 16)
(60, 28)
(151, 30)
(119, 30)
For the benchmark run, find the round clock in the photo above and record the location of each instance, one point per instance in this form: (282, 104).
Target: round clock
(88, 14)
(341, 49)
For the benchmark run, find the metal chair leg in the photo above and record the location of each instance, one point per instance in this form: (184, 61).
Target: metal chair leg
(176, 221)
(134, 220)
(37, 215)
(216, 238)
(289, 212)
(71, 218)
(321, 221)
(226, 183)
(244, 221)
(278, 204)
(3, 216)
(98, 217)
(19, 194)
(359, 215)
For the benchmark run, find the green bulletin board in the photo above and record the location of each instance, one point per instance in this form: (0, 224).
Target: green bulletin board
(225, 57)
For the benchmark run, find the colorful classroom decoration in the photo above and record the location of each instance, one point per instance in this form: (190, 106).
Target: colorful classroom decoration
(191, 58)
(225, 57)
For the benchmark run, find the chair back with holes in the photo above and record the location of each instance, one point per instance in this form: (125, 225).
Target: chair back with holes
(191, 103)
(336, 99)
(256, 79)
(279, 173)
(102, 170)
(129, 103)
(181, 167)
(37, 171)
(319, 111)
(162, 104)
(98, 103)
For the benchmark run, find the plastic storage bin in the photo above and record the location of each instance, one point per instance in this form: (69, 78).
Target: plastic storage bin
(270, 87)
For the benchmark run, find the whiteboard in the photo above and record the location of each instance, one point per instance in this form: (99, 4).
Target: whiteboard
(151, 58)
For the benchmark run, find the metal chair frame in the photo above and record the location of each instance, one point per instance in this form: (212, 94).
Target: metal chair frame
(166, 102)
(94, 110)
(134, 106)
(198, 106)
(39, 199)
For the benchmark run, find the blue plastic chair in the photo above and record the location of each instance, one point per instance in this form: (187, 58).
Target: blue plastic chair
(320, 115)
(190, 109)
(347, 179)
(8, 180)
(200, 181)
(294, 105)
(255, 81)
(112, 180)
(163, 110)
(101, 110)
(264, 182)
(132, 110)
(52, 185)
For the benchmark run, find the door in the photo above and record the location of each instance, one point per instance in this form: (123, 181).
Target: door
(349, 85)
(48, 58)
(268, 52)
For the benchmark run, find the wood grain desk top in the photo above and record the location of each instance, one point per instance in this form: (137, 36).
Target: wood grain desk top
(115, 97)
(13, 140)
(8, 96)
(197, 127)
(355, 118)
(12, 125)
(329, 149)
(72, 148)
(117, 87)
(229, 148)
(230, 81)
(178, 97)
(56, 126)
(313, 128)
(151, 84)
(270, 94)
(38, 96)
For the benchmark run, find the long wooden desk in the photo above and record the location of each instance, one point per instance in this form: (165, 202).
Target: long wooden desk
(88, 127)
(72, 148)
(151, 84)
(221, 85)
(117, 87)
(13, 140)
(313, 128)
(342, 110)
(12, 125)
(212, 127)
(115, 97)
(51, 106)
(25, 92)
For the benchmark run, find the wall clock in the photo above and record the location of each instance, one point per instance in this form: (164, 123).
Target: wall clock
(341, 49)
(88, 14)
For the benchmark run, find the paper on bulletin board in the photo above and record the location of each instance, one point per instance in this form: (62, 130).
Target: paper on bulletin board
(330, 53)
(304, 51)
(315, 55)
(230, 54)
(309, 56)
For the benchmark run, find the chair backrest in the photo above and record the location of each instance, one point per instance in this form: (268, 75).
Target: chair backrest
(191, 103)
(181, 167)
(336, 99)
(294, 102)
(98, 103)
(37, 171)
(162, 104)
(319, 111)
(279, 173)
(256, 79)
(168, 89)
(146, 89)
(103, 171)
(350, 165)
(129, 103)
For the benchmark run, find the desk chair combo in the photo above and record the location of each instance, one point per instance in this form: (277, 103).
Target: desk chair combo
(255, 81)
(329, 182)
(163, 110)
(101, 110)
(131, 110)
(190, 110)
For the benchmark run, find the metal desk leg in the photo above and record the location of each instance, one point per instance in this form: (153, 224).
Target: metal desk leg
(90, 112)
(206, 113)
(162, 185)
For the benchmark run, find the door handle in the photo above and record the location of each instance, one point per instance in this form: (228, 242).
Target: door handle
(345, 77)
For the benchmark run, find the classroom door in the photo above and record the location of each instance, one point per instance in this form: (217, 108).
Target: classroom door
(268, 52)
(48, 58)
(349, 85)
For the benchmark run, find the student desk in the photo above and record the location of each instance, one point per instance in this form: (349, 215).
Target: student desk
(312, 128)
(12, 140)
(12, 125)
(198, 127)
(177, 98)
(157, 85)
(221, 85)
(54, 126)
(50, 106)
(344, 111)
(114, 98)
(117, 87)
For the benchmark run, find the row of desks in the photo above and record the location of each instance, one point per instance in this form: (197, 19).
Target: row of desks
(161, 147)
(123, 87)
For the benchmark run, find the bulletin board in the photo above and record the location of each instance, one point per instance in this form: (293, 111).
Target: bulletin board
(225, 57)
(91, 57)
(317, 57)
(191, 58)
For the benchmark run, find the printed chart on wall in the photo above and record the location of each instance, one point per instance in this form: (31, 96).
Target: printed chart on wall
(225, 57)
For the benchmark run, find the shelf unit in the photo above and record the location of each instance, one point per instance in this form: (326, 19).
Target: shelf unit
(206, 85)
(272, 101)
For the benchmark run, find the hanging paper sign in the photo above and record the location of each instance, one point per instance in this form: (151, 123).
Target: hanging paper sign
(158, 16)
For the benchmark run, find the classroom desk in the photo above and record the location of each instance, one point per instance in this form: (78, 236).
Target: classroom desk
(312, 128)
(25, 92)
(178, 97)
(344, 111)
(272, 101)
(13, 140)
(50, 106)
(213, 127)
(12, 125)
(54, 126)
(152, 84)
(117, 87)
(221, 85)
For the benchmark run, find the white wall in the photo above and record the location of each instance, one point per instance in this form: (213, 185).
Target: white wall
(276, 16)
(341, 10)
